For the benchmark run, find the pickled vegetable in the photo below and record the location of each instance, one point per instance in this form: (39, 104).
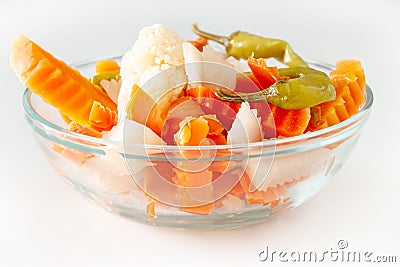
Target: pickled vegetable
(301, 87)
(242, 45)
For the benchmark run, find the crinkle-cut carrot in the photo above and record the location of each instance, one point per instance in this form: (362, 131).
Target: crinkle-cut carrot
(349, 81)
(107, 66)
(75, 127)
(351, 70)
(57, 83)
(102, 118)
(272, 196)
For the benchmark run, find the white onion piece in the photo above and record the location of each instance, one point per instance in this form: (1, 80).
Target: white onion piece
(286, 168)
(124, 96)
(246, 127)
(239, 65)
(192, 54)
(112, 88)
(221, 73)
(136, 133)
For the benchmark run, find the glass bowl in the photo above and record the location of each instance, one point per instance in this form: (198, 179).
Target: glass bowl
(125, 179)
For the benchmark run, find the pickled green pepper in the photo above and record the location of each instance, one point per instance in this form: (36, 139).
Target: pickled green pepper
(305, 87)
(242, 45)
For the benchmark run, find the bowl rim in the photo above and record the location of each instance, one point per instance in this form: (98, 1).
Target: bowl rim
(87, 140)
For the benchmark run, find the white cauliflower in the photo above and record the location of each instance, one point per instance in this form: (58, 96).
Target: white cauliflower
(156, 49)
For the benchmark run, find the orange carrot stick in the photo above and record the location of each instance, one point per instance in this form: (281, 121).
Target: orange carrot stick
(57, 83)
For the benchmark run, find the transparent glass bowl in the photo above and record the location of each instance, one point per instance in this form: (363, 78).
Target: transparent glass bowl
(101, 170)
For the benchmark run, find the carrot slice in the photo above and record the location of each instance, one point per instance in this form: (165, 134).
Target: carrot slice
(102, 118)
(107, 66)
(75, 127)
(57, 83)
(194, 130)
(199, 43)
(287, 122)
(272, 196)
(349, 81)
(276, 121)
(290, 122)
(265, 75)
(254, 197)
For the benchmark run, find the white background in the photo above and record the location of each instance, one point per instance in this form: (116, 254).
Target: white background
(43, 222)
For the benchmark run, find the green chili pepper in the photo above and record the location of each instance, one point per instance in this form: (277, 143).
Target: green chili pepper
(306, 87)
(105, 76)
(242, 45)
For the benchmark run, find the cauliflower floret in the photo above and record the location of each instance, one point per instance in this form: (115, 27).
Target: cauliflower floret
(156, 49)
